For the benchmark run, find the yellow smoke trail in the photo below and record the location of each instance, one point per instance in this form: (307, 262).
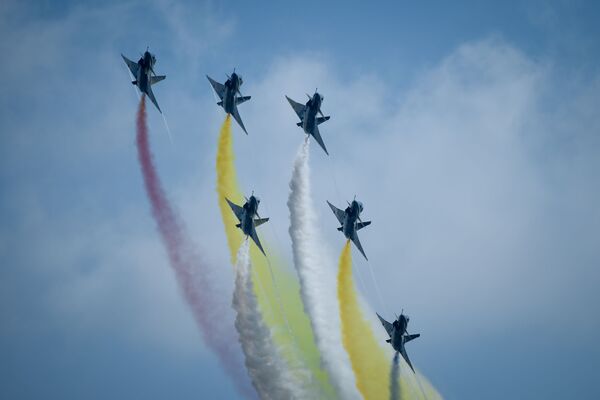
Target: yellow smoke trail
(227, 187)
(369, 361)
(301, 346)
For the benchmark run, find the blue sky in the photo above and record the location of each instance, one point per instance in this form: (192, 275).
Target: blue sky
(470, 130)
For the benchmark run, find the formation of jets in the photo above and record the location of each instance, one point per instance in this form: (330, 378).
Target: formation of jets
(311, 117)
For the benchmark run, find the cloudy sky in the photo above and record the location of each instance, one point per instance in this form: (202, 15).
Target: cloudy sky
(470, 131)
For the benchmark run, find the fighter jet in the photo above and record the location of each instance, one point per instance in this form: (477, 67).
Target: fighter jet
(245, 215)
(308, 116)
(351, 222)
(399, 336)
(145, 77)
(230, 95)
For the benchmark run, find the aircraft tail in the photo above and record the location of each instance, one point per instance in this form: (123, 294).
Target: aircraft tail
(361, 225)
(260, 221)
(320, 120)
(156, 79)
(240, 100)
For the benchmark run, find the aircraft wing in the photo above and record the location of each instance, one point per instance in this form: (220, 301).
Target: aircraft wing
(150, 95)
(237, 210)
(240, 100)
(219, 88)
(133, 66)
(339, 214)
(156, 78)
(388, 327)
(405, 356)
(254, 237)
(356, 242)
(408, 338)
(320, 120)
(260, 221)
(315, 133)
(236, 116)
(298, 108)
(361, 225)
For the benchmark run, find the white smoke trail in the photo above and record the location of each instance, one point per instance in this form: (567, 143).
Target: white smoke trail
(395, 379)
(377, 289)
(317, 274)
(267, 370)
(167, 128)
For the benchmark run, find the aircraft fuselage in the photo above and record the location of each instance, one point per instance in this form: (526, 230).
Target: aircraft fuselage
(246, 224)
(349, 225)
(143, 80)
(144, 72)
(313, 105)
(232, 87)
(351, 215)
(229, 99)
(250, 210)
(398, 334)
(310, 120)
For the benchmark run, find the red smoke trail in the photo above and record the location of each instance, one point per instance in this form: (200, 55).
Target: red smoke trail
(192, 274)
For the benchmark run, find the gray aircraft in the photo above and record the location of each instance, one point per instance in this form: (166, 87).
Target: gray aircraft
(245, 214)
(399, 335)
(308, 116)
(230, 95)
(144, 75)
(351, 222)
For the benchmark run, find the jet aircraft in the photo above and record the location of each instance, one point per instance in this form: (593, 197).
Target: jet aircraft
(144, 75)
(399, 336)
(230, 95)
(308, 116)
(351, 222)
(245, 214)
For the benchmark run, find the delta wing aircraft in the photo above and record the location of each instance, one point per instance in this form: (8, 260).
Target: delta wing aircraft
(399, 335)
(230, 95)
(144, 75)
(307, 113)
(245, 214)
(351, 222)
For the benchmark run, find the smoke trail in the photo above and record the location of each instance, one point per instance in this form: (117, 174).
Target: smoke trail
(394, 378)
(368, 359)
(192, 274)
(419, 386)
(299, 351)
(267, 370)
(366, 356)
(317, 278)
